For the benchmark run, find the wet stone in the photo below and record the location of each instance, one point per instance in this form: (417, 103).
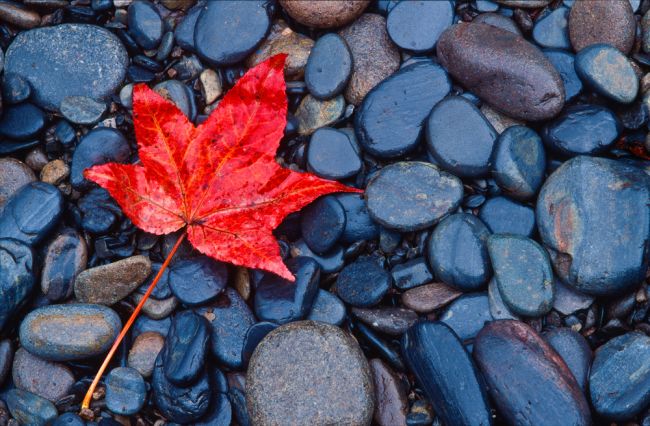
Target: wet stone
(281, 301)
(429, 297)
(502, 69)
(410, 196)
(99, 146)
(226, 33)
(69, 332)
(125, 391)
(180, 94)
(439, 362)
(69, 419)
(467, 315)
(211, 85)
(329, 262)
(551, 29)
(65, 257)
(19, 15)
(505, 216)
(184, 31)
(55, 172)
(594, 248)
(518, 162)
(523, 273)
(184, 353)
(574, 350)
(144, 351)
(65, 60)
(358, 224)
(220, 411)
(16, 277)
(145, 324)
(44, 203)
(417, 25)
(198, 280)
(29, 409)
(329, 67)
(363, 283)
(145, 24)
(390, 395)
(324, 14)
(564, 63)
(332, 154)
(312, 114)
(317, 369)
(6, 359)
(526, 378)
(374, 56)
(609, 22)
(322, 223)
(619, 377)
(82, 110)
(156, 308)
(254, 336)
(13, 175)
(108, 284)
(608, 72)
(499, 21)
(412, 273)
(457, 252)
(22, 122)
(327, 308)
(390, 121)
(46, 379)
(15, 89)
(392, 321)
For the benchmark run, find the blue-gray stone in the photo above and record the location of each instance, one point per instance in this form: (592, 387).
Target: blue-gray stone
(332, 154)
(619, 381)
(184, 31)
(563, 62)
(505, 216)
(551, 30)
(144, 324)
(125, 391)
(594, 248)
(197, 280)
(145, 24)
(457, 252)
(30, 409)
(467, 315)
(31, 213)
(16, 278)
(69, 419)
(608, 72)
(322, 224)
(417, 25)
(66, 60)
(185, 350)
(15, 89)
(22, 122)
(358, 223)
(327, 308)
(447, 374)
(328, 67)
(99, 146)
(180, 94)
(523, 272)
(329, 262)
(412, 273)
(518, 162)
(499, 21)
(390, 120)
(82, 110)
(363, 283)
(411, 196)
(69, 332)
(254, 336)
(574, 350)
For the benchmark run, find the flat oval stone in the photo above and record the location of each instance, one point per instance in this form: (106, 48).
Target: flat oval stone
(82, 110)
(197, 280)
(388, 320)
(523, 272)
(503, 69)
(15, 89)
(608, 72)
(505, 216)
(315, 368)
(363, 283)
(29, 409)
(609, 22)
(390, 121)
(457, 252)
(324, 14)
(184, 353)
(69, 419)
(16, 277)
(22, 122)
(619, 377)
(65, 60)
(145, 24)
(327, 308)
(226, 33)
(254, 336)
(49, 380)
(459, 137)
(281, 301)
(14, 175)
(184, 31)
(144, 351)
(31, 213)
(574, 350)
(65, 257)
(329, 262)
(594, 248)
(440, 363)
(498, 309)
(429, 297)
(390, 395)
(417, 26)
(358, 223)
(180, 404)
(467, 315)
(125, 391)
(551, 30)
(329, 67)
(528, 381)
(563, 62)
(412, 273)
(99, 146)
(411, 196)
(332, 154)
(123, 277)
(69, 332)
(518, 162)
(322, 223)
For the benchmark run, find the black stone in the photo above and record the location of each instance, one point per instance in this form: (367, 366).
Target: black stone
(322, 223)
(184, 353)
(254, 336)
(22, 122)
(16, 279)
(69, 419)
(328, 67)
(15, 89)
(329, 262)
(184, 31)
(65, 257)
(417, 25)
(99, 146)
(391, 321)
(358, 225)
(363, 283)
(180, 94)
(563, 62)
(412, 273)
(327, 308)
(505, 216)
(145, 24)
(467, 315)
(198, 280)
(332, 154)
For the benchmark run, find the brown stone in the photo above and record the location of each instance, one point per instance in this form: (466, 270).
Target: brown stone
(503, 69)
(283, 39)
(211, 85)
(389, 320)
(429, 297)
(50, 380)
(243, 282)
(374, 55)
(324, 13)
(390, 396)
(611, 22)
(36, 159)
(55, 172)
(144, 351)
(157, 308)
(18, 15)
(178, 4)
(313, 113)
(14, 175)
(526, 4)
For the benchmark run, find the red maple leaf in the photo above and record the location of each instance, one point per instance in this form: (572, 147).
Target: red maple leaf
(220, 179)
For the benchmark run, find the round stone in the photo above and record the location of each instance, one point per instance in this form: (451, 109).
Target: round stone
(329, 67)
(46, 379)
(15, 89)
(322, 223)
(125, 391)
(363, 283)
(315, 368)
(608, 72)
(327, 308)
(21, 122)
(144, 351)
(358, 223)
(574, 350)
(124, 277)
(145, 24)
(14, 175)
(457, 252)
(324, 14)
(410, 196)
(332, 154)
(551, 29)
(563, 62)
(179, 94)
(460, 138)
(611, 22)
(99, 146)
(417, 25)
(82, 110)
(66, 60)
(198, 280)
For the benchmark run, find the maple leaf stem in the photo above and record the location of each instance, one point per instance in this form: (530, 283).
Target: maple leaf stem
(85, 405)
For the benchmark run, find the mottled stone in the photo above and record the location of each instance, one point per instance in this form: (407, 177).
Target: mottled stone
(390, 395)
(125, 391)
(49, 380)
(324, 14)
(108, 284)
(608, 72)
(429, 297)
(611, 22)
(65, 257)
(531, 4)
(144, 351)
(388, 320)
(55, 172)
(16, 277)
(313, 113)
(14, 175)
(29, 409)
